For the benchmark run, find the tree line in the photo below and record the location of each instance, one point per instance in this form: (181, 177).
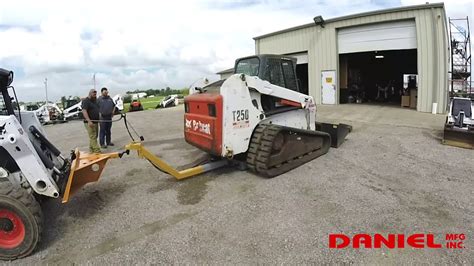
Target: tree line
(161, 92)
(128, 96)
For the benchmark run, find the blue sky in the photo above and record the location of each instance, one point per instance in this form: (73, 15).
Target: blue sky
(148, 44)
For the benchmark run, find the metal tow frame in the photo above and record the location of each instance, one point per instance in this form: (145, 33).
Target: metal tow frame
(162, 165)
(88, 167)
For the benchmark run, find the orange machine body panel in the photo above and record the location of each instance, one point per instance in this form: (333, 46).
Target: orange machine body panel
(203, 122)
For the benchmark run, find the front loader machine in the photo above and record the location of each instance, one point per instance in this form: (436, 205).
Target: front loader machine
(21, 173)
(33, 169)
(459, 126)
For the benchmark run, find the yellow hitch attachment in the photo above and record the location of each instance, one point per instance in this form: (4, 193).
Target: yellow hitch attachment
(85, 168)
(163, 166)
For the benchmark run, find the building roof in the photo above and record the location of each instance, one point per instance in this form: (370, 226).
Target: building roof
(230, 70)
(358, 15)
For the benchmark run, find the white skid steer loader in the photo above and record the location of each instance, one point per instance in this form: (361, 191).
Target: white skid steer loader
(31, 168)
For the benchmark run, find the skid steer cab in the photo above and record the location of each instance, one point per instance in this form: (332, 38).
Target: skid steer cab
(31, 169)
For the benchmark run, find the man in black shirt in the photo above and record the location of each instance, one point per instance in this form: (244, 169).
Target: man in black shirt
(90, 111)
(107, 110)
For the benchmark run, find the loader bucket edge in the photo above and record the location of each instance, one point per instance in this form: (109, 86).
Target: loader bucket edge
(458, 137)
(85, 168)
(338, 132)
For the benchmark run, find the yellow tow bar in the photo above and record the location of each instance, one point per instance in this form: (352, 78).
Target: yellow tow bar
(87, 168)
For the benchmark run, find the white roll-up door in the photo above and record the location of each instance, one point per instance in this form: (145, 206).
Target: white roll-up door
(396, 35)
(301, 58)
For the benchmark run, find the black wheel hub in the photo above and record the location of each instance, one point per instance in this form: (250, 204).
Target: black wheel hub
(6, 225)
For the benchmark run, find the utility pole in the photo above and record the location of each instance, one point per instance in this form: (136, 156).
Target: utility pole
(46, 89)
(93, 78)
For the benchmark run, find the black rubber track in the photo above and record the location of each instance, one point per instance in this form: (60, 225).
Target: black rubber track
(24, 204)
(259, 154)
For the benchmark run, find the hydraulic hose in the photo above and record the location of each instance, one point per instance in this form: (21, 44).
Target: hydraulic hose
(128, 125)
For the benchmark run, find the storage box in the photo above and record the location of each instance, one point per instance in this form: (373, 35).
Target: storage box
(405, 101)
(413, 98)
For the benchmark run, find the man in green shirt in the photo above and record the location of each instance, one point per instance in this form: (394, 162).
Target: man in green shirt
(90, 111)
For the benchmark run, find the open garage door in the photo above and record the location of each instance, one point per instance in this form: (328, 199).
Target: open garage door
(375, 77)
(372, 61)
(398, 35)
(302, 71)
(301, 58)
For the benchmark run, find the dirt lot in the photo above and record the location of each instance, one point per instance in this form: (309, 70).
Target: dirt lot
(391, 176)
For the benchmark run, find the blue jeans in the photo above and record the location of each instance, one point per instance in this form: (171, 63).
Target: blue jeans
(105, 134)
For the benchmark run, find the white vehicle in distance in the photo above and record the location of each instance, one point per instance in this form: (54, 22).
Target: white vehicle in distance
(169, 101)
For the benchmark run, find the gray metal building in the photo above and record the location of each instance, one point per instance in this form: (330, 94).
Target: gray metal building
(224, 74)
(372, 48)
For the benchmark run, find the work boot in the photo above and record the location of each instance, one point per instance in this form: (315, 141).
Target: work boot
(111, 144)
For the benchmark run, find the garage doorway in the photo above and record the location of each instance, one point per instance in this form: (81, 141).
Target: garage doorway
(373, 59)
(375, 77)
(302, 74)
(302, 71)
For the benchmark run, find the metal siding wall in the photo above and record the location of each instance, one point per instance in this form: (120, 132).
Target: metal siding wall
(424, 56)
(289, 42)
(433, 65)
(427, 91)
(443, 53)
(432, 61)
(420, 64)
(321, 44)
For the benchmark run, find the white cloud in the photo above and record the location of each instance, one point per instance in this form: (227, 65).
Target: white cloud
(145, 44)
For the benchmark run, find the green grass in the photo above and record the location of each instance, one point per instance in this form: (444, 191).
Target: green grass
(148, 103)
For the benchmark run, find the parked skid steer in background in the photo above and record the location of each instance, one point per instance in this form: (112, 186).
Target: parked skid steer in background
(31, 168)
(168, 101)
(258, 116)
(459, 126)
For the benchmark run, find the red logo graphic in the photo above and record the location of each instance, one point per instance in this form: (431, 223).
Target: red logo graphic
(391, 241)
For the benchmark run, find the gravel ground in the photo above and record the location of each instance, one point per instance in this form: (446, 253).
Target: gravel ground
(391, 176)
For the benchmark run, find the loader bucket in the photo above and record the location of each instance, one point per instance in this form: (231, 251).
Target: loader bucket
(457, 137)
(338, 132)
(85, 168)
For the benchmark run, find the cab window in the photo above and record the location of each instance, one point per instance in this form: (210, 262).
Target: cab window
(248, 66)
(289, 74)
(273, 72)
(3, 107)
